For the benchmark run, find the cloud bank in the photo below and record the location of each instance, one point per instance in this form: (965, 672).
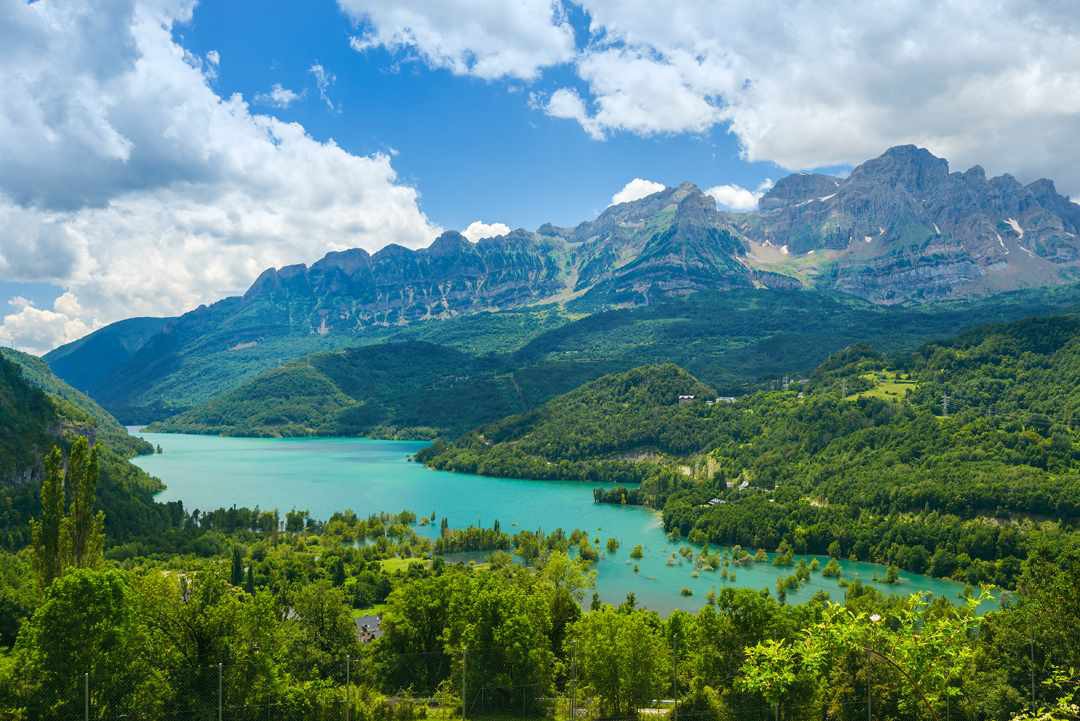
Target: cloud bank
(130, 184)
(801, 84)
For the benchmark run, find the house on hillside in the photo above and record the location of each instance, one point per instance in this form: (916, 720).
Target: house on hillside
(686, 399)
(368, 628)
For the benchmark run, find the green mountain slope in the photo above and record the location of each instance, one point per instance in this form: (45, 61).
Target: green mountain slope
(93, 419)
(861, 460)
(87, 362)
(201, 355)
(38, 411)
(409, 388)
(733, 341)
(600, 431)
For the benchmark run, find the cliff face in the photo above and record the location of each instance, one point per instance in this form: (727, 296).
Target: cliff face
(670, 243)
(901, 227)
(347, 291)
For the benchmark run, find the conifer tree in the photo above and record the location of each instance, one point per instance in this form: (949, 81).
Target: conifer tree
(237, 577)
(339, 572)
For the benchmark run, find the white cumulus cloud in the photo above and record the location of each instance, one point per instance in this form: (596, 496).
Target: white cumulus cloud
(808, 85)
(38, 330)
(736, 197)
(567, 103)
(479, 229)
(486, 38)
(636, 189)
(800, 84)
(130, 184)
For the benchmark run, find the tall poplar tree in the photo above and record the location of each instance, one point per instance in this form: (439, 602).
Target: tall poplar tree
(85, 528)
(47, 532)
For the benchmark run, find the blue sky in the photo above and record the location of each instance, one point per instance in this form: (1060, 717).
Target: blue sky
(147, 168)
(473, 147)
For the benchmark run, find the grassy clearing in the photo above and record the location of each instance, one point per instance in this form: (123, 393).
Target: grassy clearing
(392, 565)
(888, 386)
(376, 610)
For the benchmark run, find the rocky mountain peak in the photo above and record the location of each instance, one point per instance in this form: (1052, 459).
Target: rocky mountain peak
(449, 243)
(797, 188)
(914, 169)
(347, 261)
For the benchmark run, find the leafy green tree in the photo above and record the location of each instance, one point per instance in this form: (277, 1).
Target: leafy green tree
(47, 532)
(772, 667)
(505, 629)
(196, 623)
(88, 624)
(85, 527)
(322, 633)
(566, 580)
(623, 657)
(411, 651)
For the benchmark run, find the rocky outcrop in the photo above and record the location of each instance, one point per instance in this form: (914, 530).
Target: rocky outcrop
(901, 227)
(349, 290)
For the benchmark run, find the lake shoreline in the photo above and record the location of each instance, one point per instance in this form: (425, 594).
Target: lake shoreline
(325, 475)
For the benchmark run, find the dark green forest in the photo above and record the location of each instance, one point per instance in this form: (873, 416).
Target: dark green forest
(37, 411)
(955, 460)
(443, 378)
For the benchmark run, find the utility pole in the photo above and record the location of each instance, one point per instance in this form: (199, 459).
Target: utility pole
(86, 696)
(464, 675)
(869, 709)
(219, 691)
(348, 689)
(675, 675)
(945, 403)
(1033, 674)
(573, 682)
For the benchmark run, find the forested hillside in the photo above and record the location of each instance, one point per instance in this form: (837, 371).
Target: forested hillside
(954, 461)
(611, 429)
(734, 341)
(37, 411)
(411, 389)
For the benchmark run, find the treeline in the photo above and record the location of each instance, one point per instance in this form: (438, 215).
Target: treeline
(509, 638)
(621, 495)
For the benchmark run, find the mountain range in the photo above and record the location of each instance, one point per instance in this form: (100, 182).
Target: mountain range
(899, 230)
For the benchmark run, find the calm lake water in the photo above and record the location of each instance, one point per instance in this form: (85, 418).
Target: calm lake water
(323, 475)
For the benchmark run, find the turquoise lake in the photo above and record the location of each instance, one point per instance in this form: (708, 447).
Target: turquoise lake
(323, 475)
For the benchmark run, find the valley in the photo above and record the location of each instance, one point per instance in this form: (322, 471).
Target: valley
(328, 475)
(545, 360)
(707, 435)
